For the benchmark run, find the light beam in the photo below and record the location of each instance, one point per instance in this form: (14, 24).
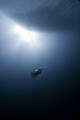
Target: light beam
(24, 34)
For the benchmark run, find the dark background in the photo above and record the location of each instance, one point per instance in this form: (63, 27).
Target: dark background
(55, 93)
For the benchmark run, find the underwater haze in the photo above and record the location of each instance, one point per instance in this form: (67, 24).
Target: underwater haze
(34, 34)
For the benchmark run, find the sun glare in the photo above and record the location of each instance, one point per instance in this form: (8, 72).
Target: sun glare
(24, 34)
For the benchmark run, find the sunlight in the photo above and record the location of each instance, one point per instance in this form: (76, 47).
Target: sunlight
(24, 34)
(18, 40)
